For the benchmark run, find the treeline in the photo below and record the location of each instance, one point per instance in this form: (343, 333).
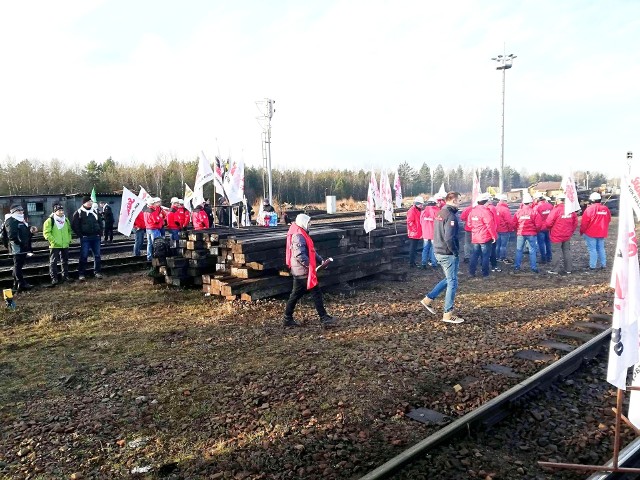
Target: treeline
(166, 178)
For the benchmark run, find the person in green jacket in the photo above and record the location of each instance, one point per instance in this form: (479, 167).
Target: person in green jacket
(57, 230)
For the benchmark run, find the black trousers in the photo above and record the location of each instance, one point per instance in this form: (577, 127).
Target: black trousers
(108, 233)
(18, 263)
(415, 246)
(61, 255)
(298, 291)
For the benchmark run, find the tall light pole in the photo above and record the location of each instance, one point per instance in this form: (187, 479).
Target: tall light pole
(266, 108)
(505, 61)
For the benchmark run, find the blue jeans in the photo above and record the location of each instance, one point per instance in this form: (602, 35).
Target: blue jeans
(503, 241)
(175, 234)
(428, 253)
(86, 244)
(151, 234)
(480, 250)
(533, 251)
(596, 251)
(544, 244)
(449, 265)
(138, 241)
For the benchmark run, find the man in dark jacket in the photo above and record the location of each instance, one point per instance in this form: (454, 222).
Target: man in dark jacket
(446, 247)
(303, 261)
(87, 226)
(107, 217)
(19, 240)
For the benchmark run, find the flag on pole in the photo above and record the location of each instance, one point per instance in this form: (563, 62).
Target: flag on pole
(386, 197)
(571, 203)
(625, 279)
(442, 192)
(218, 176)
(398, 188)
(188, 197)
(475, 190)
(94, 198)
(370, 214)
(130, 207)
(633, 185)
(376, 192)
(204, 174)
(234, 182)
(143, 194)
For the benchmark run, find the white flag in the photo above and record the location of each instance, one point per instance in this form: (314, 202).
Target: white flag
(475, 190)
(571, 203)
(143, 194)
(218, 176)
(204, 175)
(442, 192)
(376, 192)
(188, 197)
(398, 188)
(386, 197)
(625, 279)
(370, 214)
(130, 207)
(234, 182)
(633, 186)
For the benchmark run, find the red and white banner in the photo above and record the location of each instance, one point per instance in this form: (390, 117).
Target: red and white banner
(370, 214)
(376, 191)
(571, 203)
(633, 185)
(398, 189)
(130, 207)
(143, 195)
(218, 176)
(475, 189)
(625, 279)
(234, 182)
(386, 197)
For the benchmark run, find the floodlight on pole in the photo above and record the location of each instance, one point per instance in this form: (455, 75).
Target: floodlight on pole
(267, 110)
(505, 62)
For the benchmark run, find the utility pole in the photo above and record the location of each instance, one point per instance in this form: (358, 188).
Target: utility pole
(266, 109)
(506, 62)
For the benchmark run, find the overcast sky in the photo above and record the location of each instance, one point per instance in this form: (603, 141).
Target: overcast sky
(357, 84)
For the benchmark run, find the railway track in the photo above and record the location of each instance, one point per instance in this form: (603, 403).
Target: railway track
(514, 399)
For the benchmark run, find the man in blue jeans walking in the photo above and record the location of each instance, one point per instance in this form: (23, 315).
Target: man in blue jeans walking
(446, 246)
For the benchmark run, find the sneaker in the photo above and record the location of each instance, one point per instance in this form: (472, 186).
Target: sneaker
(568, 273)
(99, 275)
(81, 278)
(54, 282)
(423, 267)
(506, 261)
(290, 322)
(328, 322)
(496, 269)
(426, 302)
(552, 272)
(450, 317)
(67, 279)
(23, 287)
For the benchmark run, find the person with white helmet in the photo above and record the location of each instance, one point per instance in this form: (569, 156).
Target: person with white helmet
(527, 223)
(483, 235)
(153, 222)
(504, 228)
(561, 228)
(595, 228)
(303, 262)
(543, 207)
(414, 229)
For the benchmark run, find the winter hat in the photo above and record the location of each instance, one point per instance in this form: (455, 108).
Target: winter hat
(86, 199)
(57, 207)
(595, 196)
(16, 208)
(526, 198)
(418, 200)
(303, 220)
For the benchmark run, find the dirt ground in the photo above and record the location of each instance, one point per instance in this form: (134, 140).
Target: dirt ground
(118, 377)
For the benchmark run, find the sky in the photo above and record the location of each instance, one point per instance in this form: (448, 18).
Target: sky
(357, 84)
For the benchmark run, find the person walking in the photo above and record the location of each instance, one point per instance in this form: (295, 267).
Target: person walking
(483, 235)
(303, 260)
(86, 224)
(503, 227)
(446, 245)
(19, 238)
(561, 228)
(414, 229)
(527, 223)
(427, 217)
(57, 231)
(595, 228)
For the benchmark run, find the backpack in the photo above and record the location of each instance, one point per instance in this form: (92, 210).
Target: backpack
(160, 248)
(5, 236)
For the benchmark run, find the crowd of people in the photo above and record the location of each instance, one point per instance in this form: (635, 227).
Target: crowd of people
(488, 226)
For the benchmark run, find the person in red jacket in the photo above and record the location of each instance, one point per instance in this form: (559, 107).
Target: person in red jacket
(483, 235)
(464, 216)
(527, 223)
(174, 219)
(153, 222)
(503, 227)
(561, 228)
(414, 229)
(595, 227)
(543, 207)
(200, 218)
(426, 222)
(185, 214)
(139, 229)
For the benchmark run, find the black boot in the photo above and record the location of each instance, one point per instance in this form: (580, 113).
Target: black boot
(289, 322)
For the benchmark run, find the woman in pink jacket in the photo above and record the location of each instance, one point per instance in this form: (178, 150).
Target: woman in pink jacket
(427, 217)
(561, 228)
